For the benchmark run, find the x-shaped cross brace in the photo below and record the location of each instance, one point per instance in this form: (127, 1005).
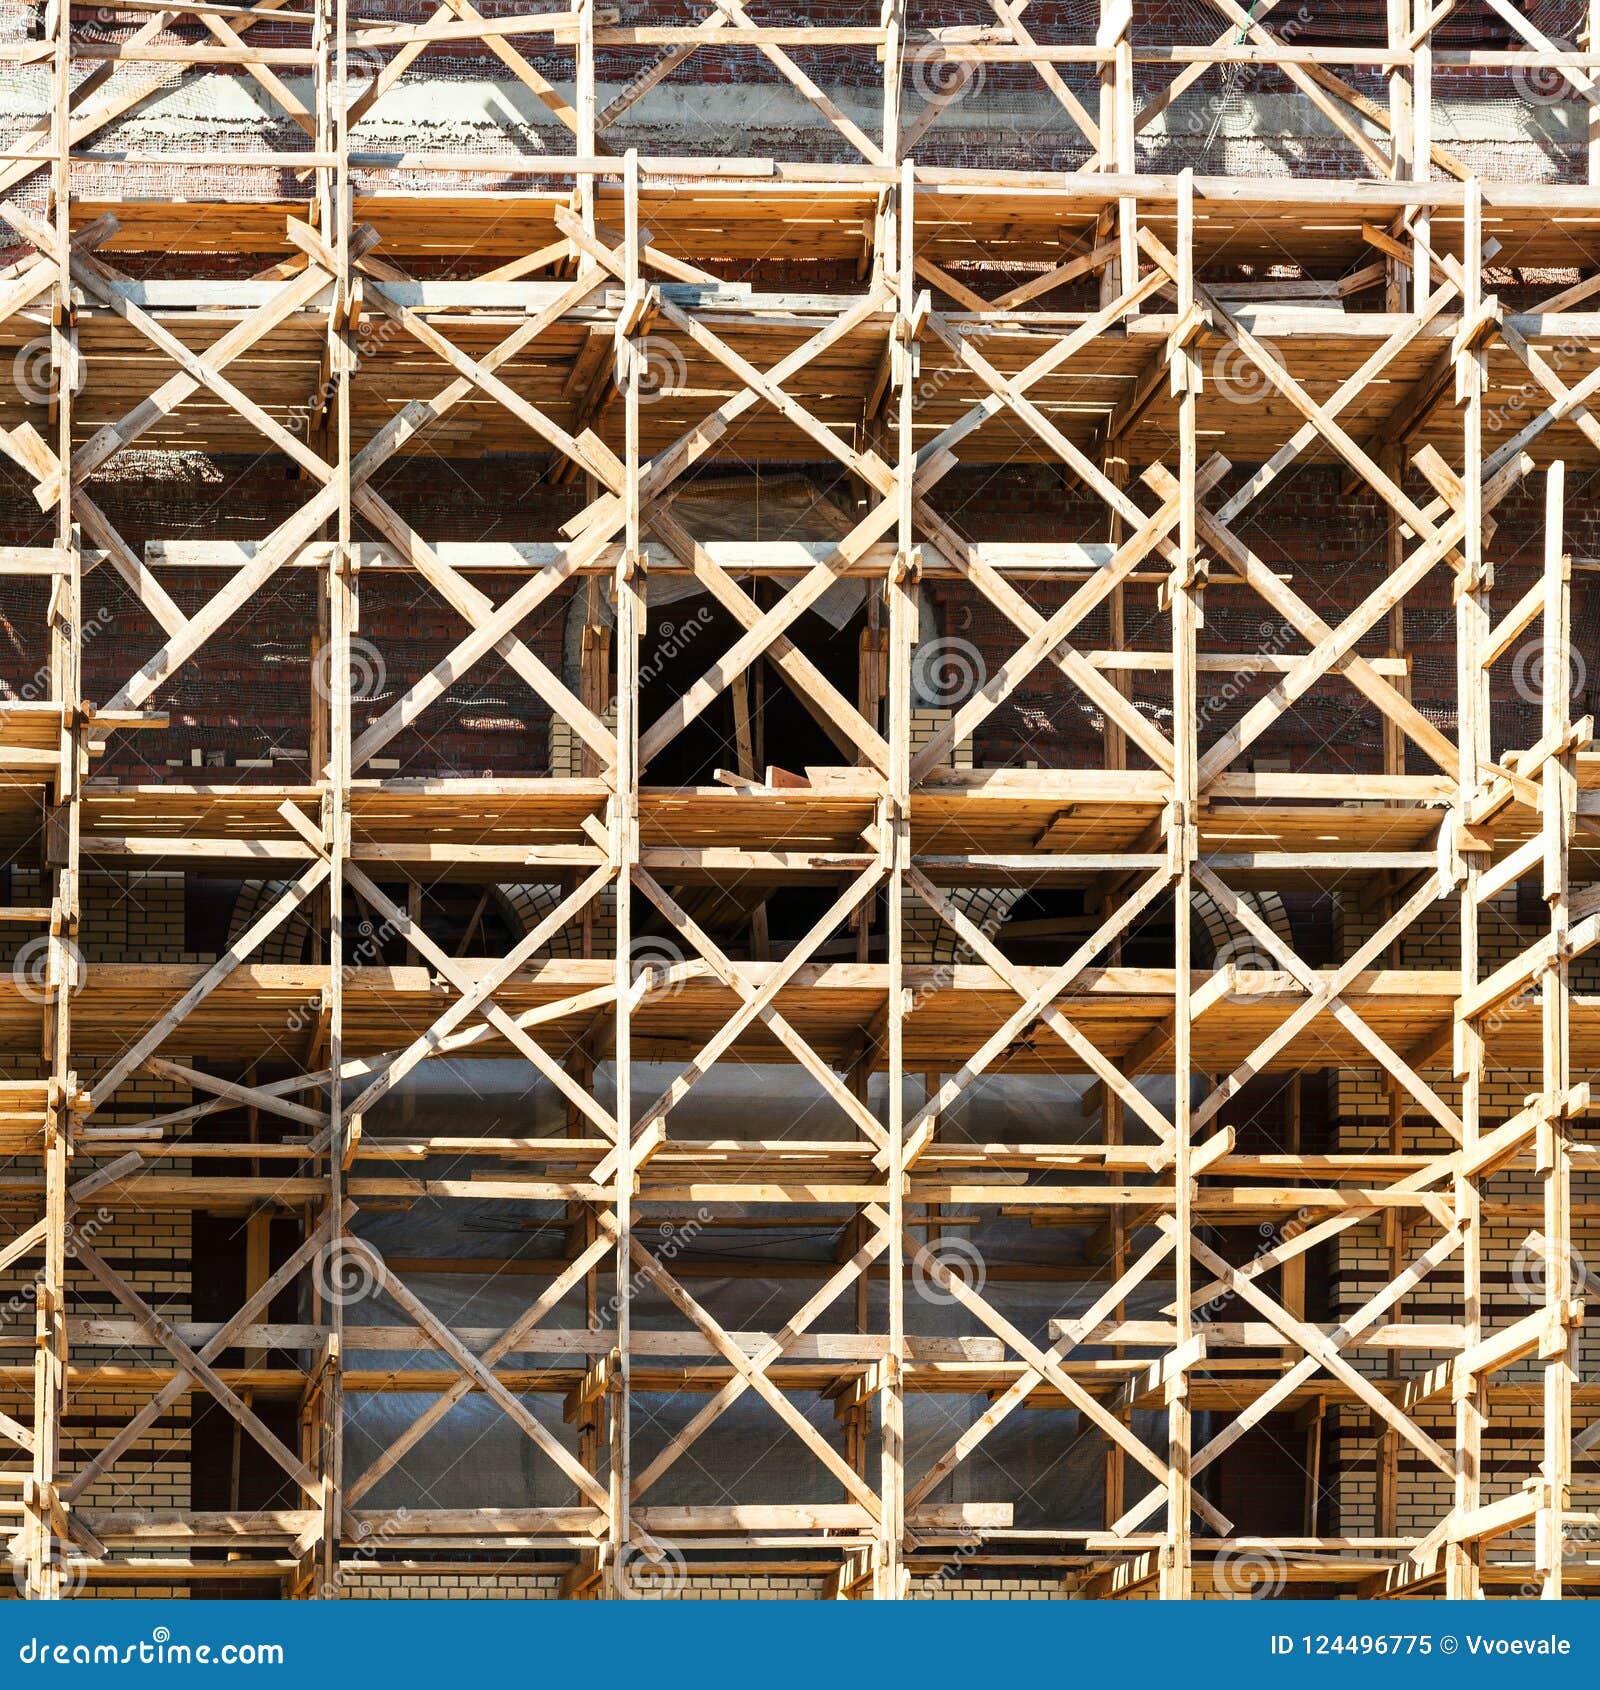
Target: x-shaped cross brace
(731, 12)
(220, 1341)
(1038, 1007)
(1046, 1370)
(1047, 640)
(475, 993)
(754, 1377)
(764, 630)
(1436, 543)
(758, 1003)
(1325, 994)
(411, 50)
(1018, 1392)
(508, 1343)
(451, 971)
(1322, 1353)
(195, 1367)
(1324, 998)
(238, 951)
(477, 1372)
(494, 626)
(1330, 646)
(771, 1351)
(187, 634)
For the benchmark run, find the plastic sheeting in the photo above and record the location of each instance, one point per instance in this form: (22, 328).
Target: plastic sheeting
(1043, 1461)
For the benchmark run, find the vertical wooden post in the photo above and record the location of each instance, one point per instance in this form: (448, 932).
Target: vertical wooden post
(1591, 108)
(344, 622)
(624, 848)
(1421, 156)
(1113, 739)
(1462, 1560)
(1176, 1570)
(1394, 1237)
(46, 1566)
(586, 138)
(1394, 763)
(1399, 30)
(1552, 1153)
(894, 824)
(1117, 134)
(892, 18)
(1114, 1465)
(326, 1432)
(1294, 1270)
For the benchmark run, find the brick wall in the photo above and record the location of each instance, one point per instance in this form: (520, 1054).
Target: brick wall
(535, 1587)
(139, 919)
(1512, 1284)
(244, 704)
(729, 99)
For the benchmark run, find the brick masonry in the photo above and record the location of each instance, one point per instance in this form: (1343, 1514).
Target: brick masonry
(1511, 1274)
(138, 918)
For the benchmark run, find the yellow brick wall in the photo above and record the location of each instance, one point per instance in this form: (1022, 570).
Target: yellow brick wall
(1358, 1102)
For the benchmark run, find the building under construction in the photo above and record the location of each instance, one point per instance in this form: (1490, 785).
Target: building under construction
(799, 801)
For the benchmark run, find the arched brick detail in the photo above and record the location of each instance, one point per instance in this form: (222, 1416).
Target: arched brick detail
(290, 940)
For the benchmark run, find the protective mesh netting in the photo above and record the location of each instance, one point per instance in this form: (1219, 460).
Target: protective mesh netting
(733, 99)
(1502, 122)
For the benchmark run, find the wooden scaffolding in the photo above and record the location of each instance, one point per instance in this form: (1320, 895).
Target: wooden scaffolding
(599, 265)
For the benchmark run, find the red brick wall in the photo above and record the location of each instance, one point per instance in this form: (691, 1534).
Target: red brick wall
(248, 691)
